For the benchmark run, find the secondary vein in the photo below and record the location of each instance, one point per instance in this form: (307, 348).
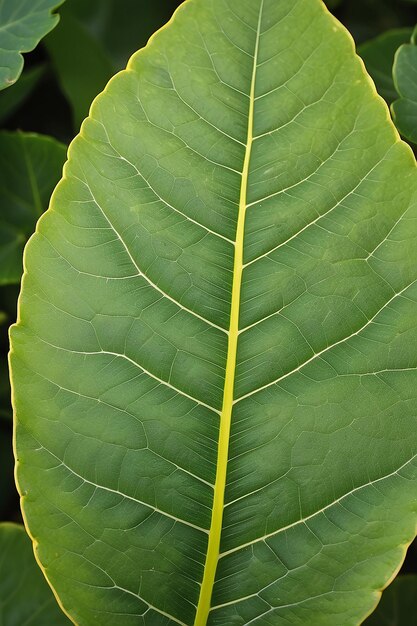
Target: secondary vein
(213, 549)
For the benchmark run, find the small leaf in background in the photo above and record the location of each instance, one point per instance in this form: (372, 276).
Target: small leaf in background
(367, 19)
(25, 598)
(23, 23)
(12, 98)
(398, 605)
(82, 66)
(122, 31)
(333, 4)
(404, 109)
(378, 55)
(30, 167)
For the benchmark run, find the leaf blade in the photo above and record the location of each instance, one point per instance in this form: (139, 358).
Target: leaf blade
(324, 225)
(21, 29)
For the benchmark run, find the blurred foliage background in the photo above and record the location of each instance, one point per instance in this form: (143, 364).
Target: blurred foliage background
(92, 41)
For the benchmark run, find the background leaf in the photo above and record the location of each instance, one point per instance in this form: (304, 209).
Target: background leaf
(30, 166)
(82, 66)
(22, 24)
(25, 598)
(398, 606)
(405, 77)
(12, 98)
(215, 176)
(121, 31)
(378, 55)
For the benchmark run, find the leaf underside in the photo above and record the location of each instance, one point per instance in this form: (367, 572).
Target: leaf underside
(214, 364)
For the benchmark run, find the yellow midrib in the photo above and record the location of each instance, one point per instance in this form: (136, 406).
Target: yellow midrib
(213, 549)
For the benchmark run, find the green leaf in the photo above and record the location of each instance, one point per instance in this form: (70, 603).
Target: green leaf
(214, 366)
(23, 23)
(404, 110)
(378, 55)
(12, 98)
(82, 66)
(30, 166)
(121, 32)
(25, 598)
(398, 606)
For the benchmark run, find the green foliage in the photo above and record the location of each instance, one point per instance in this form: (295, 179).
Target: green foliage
(52, 96)
(398, 606)
(30, 167)
(82, 69)
(23, 23)
(12, 98)
(122, 32)
(405, 78)
(378, 55)
(214, 365)
(25, 598)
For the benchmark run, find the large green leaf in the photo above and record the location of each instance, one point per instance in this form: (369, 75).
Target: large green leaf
(25, 598)
(23, 23)
(379, 54)
(398, 606)
(30, 167)
(214, 363)
(405, 78)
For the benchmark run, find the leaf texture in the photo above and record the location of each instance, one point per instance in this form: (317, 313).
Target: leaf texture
(214, 363)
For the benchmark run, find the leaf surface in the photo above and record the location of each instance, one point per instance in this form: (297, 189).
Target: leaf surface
(214, 363)
(23, 23)
(30, 167)
(25, 598)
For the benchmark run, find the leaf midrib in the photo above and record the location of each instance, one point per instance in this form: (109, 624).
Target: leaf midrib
(213, 548)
